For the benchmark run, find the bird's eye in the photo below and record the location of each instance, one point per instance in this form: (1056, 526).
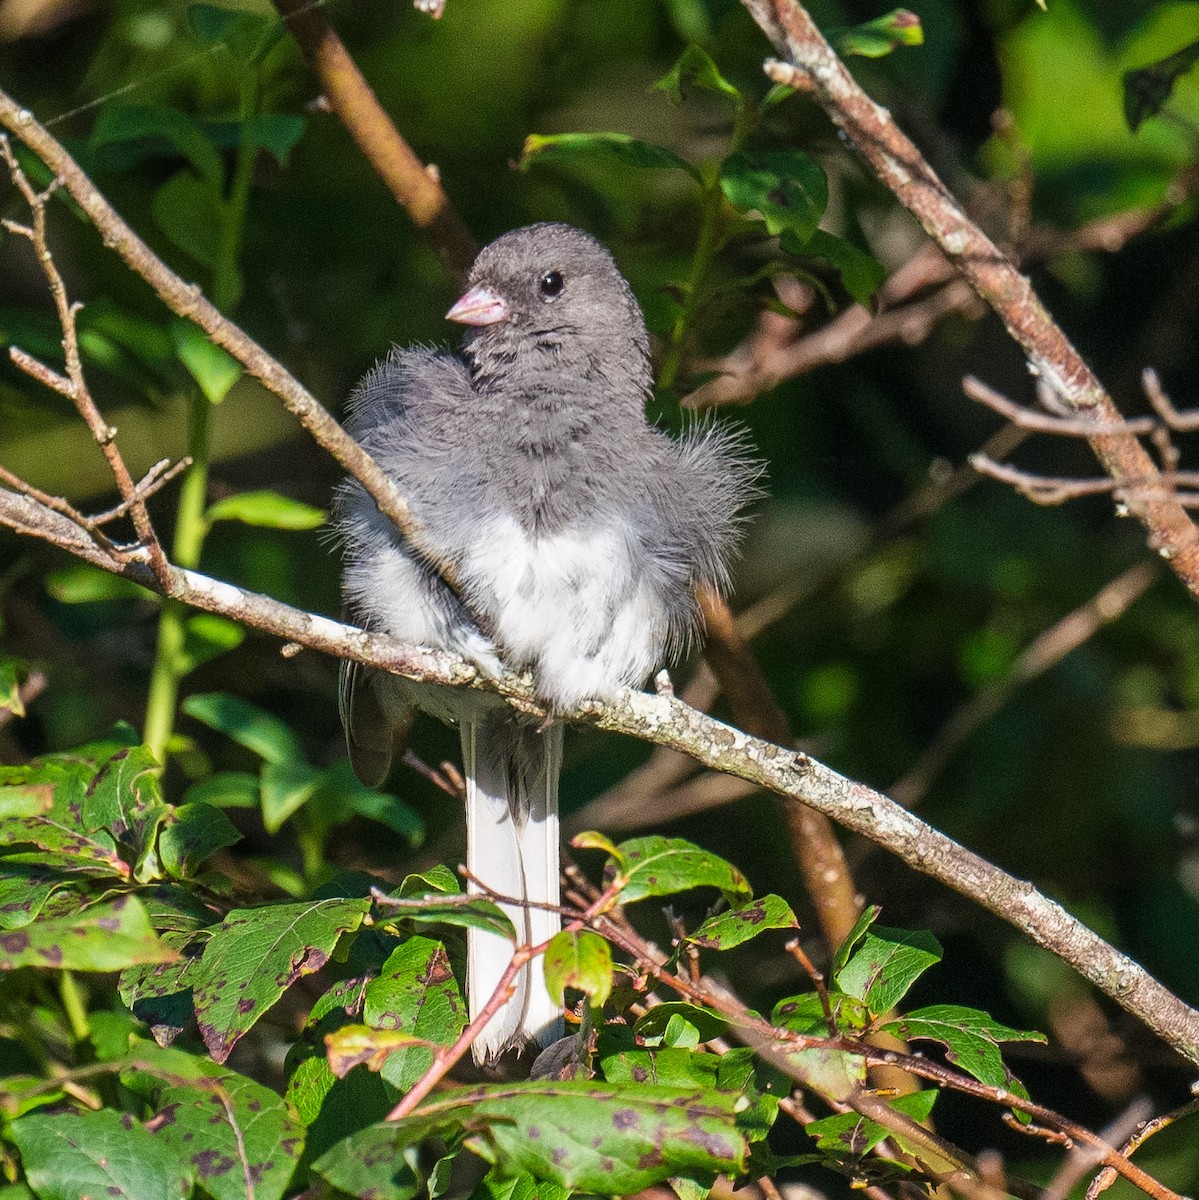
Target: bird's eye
(551, 284)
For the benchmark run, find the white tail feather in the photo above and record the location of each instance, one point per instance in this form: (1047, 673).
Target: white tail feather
(512, 848)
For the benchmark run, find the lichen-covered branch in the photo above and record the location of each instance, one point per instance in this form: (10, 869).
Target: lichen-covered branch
(666, 721)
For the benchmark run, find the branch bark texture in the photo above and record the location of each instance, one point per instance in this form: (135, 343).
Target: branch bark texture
(667, 721)
(813, 67)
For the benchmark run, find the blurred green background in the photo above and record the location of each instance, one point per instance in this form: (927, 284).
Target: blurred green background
(1084, 780)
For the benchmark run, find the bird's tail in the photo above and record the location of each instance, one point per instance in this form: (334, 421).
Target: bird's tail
(512, 847)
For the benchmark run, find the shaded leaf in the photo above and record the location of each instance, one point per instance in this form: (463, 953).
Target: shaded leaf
(188, 210)
(654, 1021)
(245, 35)
(214, 369)
(438, 908)
(226, 789)
(832, 1072)
(631, 151)
(787, 187)
(246, 724)
(581, 960)
(861, 274)
(81, 583)
(1146, 89)
(695, 69)
(124, 134)
(191, 834)
(205, 635)
(286, 786)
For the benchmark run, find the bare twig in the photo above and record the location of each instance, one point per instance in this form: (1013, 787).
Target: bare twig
(1029, 418)
(815, 69)
(73, 385)
(1107, 1176)
(188, 301)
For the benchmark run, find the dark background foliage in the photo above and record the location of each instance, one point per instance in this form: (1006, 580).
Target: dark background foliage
(1084, 781)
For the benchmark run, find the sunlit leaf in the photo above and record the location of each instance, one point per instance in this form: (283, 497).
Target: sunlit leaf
(214, 369)
(729, 929)
(581, 960)
(631, 151)
(873, 39)
(1146, 89)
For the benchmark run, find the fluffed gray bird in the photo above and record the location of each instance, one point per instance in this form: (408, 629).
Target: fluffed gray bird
(579, 535)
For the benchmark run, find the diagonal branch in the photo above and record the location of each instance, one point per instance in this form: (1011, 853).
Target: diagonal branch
(187, 300)
(814, 68)
(666, 721)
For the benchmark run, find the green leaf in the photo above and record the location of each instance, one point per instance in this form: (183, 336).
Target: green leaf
(590, 840)
(415, 993)
(255, 954)
(834, 1073)
(62, 845)
(851, 1136)
(437, 908)
(970, 1037)
(74, 1154)
(266, 509)
(124, 134)
(104, 937)
(247, 36)
(659, 866)
(581, 960)
(786, 187)
(247, 725)
(24, 890)
(869, 915)
(81, 583)
(631, 151)
(874, 39)
(372, 1168)
(239, 1135)
(226, 789)
(214, 369)
(1146, 89)
(10, 689)
(861, 273)
(729, 929)
(582, 1135)
(695, 69)
(190, 835)
(498, 1186)
(205, 636)
(286, 787)
(188, 210)
(885, 965)
(654, 1021)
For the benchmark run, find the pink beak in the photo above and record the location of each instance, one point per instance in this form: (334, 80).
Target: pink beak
(479, 306)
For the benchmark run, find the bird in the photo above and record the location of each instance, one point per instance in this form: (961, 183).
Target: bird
(579, 535)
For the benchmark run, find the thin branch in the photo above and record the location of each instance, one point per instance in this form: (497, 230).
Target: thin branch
(73, 385)
(417, 187)
(1029, 418)
(1107, 1176)
(188, 301)
(815, 69)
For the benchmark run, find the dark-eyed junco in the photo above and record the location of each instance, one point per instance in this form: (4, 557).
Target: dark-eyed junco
(578, 533)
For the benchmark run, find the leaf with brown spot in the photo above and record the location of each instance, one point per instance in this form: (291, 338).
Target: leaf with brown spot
(255, 954)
